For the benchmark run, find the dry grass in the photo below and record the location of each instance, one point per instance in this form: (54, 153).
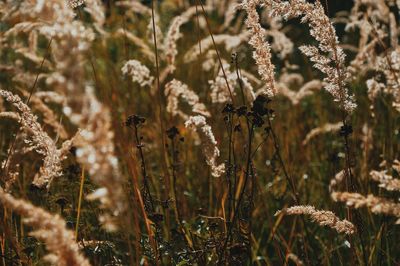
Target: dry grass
(170, 132)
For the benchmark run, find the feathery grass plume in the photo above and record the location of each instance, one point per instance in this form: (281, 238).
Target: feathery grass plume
(229, 14)
(144, 48)
(95, 146)
(219, 93)
(1, 104)
(40, 141)
(392, 73)
(326, 128)
(11, 115)
(175, 89)
(328, 57)
(138, 72)
(174, 34)
(31, 55)
(51, 97)
(208, 142)
(49, 228)
(386, 181)
(96, 10)
(262, 50)
(280, 43)
(75, 3)
(67, 32)
(305, 90)
(11, 165)
(396, 165)
(389, 65)
(210, 61)
(248, 89)
(374, 88)
(22, 27)
(323, 218)
(49, 117)
(377, 11)
(334, 183)
(157, 29)
(229, 41)
(364, 60)
(394, 42)
(377, 205)
(134, 6)
(95, 151)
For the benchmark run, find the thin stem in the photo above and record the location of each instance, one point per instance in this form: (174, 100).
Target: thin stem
(216, 50)
(79, 202)
(174, 180)
(146, 195)
(242, 192)
(290, 181)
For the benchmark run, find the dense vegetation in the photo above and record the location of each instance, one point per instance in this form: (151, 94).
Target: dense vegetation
(177, 132)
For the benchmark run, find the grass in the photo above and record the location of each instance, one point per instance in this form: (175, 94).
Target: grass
(174, 210)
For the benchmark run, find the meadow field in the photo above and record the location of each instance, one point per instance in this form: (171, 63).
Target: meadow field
(199, 132)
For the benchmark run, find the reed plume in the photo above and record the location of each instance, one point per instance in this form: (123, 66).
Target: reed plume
(208, 142)
(138, 72)
(385, 180)
(326, 128)
(323, 218)
(40, 142)
(262, 49)
(328, 57)
(49, 228)
(377, 205)
(175, 89)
